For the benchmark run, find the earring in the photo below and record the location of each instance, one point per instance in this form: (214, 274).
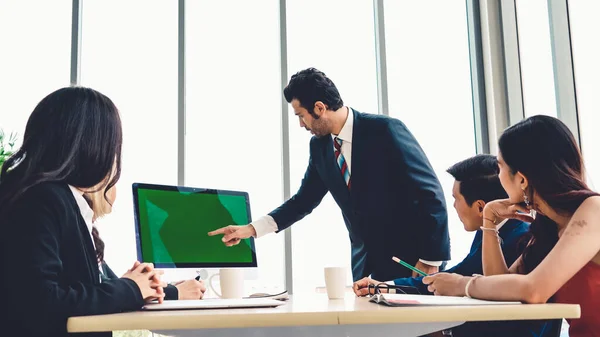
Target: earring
(525, 198)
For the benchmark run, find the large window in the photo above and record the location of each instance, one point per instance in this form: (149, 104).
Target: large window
(129, 53)
(341, 44)
(585, 29)
(430, 89)
(535, 51)
(233, 133)
(35, 44)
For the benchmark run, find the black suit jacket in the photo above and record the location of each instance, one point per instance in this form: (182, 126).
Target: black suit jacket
(46, 249)
(395, 206)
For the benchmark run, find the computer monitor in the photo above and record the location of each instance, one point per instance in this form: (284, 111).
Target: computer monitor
(172, 225)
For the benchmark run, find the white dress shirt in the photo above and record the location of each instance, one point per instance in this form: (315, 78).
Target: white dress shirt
(87, 214)
(86, 211)
(267, 224)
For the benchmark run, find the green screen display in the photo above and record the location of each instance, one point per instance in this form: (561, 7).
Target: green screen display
(173, 223)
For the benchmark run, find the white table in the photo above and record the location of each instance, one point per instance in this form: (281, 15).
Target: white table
(316, 315)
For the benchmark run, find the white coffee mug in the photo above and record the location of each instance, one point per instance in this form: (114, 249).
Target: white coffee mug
(335, 281)
(232, 283)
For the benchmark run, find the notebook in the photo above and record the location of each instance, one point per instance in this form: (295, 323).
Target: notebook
(215, 304)
(395, 300)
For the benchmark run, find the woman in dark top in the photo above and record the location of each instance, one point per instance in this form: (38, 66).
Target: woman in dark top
(71, 145)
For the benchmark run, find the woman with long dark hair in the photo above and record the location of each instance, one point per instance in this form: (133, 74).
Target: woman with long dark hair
(542, 170)
(71, 146)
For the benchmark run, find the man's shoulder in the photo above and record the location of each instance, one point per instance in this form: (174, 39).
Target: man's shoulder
(515, 226)
(380, 124)
(513, 232)
(383, 123)
(376, 119)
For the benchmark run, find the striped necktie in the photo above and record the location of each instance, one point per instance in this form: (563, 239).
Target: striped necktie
(341, 161)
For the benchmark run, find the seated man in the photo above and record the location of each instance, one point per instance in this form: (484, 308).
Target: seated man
(476, 183)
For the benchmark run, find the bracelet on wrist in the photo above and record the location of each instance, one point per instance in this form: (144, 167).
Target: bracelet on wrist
(494, 231)
(475, 276)
(489, 229)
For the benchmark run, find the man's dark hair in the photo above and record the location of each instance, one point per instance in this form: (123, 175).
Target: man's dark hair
(478, 177)
(311, 85)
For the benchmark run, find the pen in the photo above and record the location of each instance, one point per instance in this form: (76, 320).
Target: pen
(408, 266)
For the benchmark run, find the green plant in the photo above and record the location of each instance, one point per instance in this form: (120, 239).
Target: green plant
(7, 146)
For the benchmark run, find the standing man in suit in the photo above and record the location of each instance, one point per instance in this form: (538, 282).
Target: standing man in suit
(390, 197)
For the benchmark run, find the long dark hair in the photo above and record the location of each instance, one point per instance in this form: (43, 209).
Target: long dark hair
(544, 150)
(73, 136)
